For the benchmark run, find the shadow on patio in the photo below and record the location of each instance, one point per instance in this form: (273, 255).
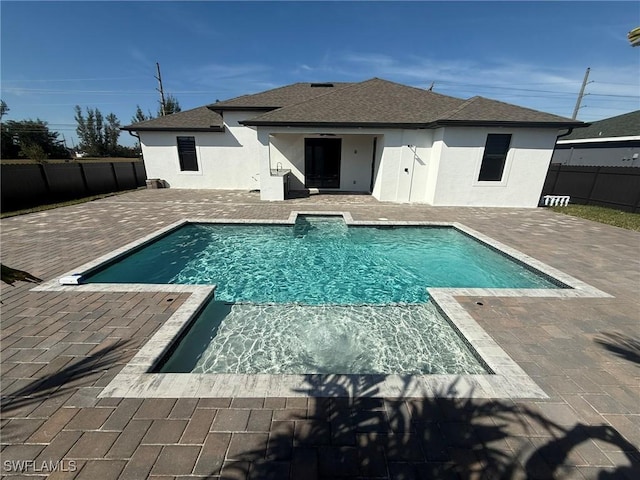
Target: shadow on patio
(440, 438)
(623, 346)
(83, 372)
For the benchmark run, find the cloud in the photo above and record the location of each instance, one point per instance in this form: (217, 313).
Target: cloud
(17, 91)
(612, 90)
(141, 58)
(231, 79)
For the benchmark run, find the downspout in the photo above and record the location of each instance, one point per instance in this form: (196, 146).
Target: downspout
(138, 136)
(568, 132)
(139, 142)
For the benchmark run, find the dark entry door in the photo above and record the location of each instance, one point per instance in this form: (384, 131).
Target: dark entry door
(322, 162)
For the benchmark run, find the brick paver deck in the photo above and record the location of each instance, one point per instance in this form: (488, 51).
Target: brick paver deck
(60, 349)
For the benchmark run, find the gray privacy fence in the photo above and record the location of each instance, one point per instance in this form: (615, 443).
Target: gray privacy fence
(616, 187)
(29, 185)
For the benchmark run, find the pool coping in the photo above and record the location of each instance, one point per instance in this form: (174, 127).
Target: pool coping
(508, 379)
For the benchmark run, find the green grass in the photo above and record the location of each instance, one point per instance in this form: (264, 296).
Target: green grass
(617, 218)
(50, 206)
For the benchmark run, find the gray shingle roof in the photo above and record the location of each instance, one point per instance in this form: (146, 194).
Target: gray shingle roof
(480, 109)
(197, 119)
(378, 102)
(279, 97)
(625, 125)
(374, 102)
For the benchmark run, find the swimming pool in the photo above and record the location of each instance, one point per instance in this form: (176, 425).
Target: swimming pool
(320, 296)
(320, 260)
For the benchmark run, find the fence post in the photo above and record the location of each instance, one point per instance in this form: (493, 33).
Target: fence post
(115, 176)
(555, 180)
(84, 178)
(593, 184)
(135, 174)
(45, 177)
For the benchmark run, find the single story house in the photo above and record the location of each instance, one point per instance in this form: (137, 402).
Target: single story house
(398, 143)
(612, 142)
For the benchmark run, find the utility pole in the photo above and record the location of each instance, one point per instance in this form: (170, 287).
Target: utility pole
(581, 94)
(160, 89)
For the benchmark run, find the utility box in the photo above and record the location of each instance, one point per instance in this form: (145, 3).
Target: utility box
(155, 183)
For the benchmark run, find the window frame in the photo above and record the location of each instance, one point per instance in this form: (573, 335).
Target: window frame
(181, 159)
(494, 156)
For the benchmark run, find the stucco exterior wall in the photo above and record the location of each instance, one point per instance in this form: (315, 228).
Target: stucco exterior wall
(524, 172)
(405, 166)
(287, 152)
(227, 160)
(437, 167)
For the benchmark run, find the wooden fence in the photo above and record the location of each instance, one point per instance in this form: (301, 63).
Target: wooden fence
(616, 187)
(32, 184)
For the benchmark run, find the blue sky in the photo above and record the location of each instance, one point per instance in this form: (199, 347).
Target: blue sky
(102, 54)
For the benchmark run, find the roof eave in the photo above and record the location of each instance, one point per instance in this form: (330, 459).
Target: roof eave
(507, 123)
(267, 123)
(237, 108)
(133, 128)
(435, 124)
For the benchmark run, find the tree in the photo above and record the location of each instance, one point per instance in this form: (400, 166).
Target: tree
(3, 109)
(140, 116)
(31, 139)
(171, 105)
(111, 134)
(34, 152)
(98, 135)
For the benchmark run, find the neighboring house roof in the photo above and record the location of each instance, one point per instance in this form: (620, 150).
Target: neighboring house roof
(626, 125)
(200, 119)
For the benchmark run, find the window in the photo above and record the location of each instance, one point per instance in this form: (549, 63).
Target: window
(495, 155)
(187, 154)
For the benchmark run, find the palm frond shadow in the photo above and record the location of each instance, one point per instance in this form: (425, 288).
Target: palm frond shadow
(75, 375)
(350, 432)
(12, 275)
(623, 346)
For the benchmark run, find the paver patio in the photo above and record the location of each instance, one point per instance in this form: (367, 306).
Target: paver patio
(59, 350)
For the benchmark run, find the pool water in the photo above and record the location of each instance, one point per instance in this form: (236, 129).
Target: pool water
(319, 296)
(300, 339)
(320, 261)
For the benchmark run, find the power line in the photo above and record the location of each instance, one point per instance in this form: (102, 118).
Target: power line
(453, 86)
(103, 92)
(480, 87)
(74, 79)
(612, 95)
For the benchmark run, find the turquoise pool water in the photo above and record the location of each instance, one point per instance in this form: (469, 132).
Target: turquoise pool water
(320, 297)
(339, 339)
(320, 261)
